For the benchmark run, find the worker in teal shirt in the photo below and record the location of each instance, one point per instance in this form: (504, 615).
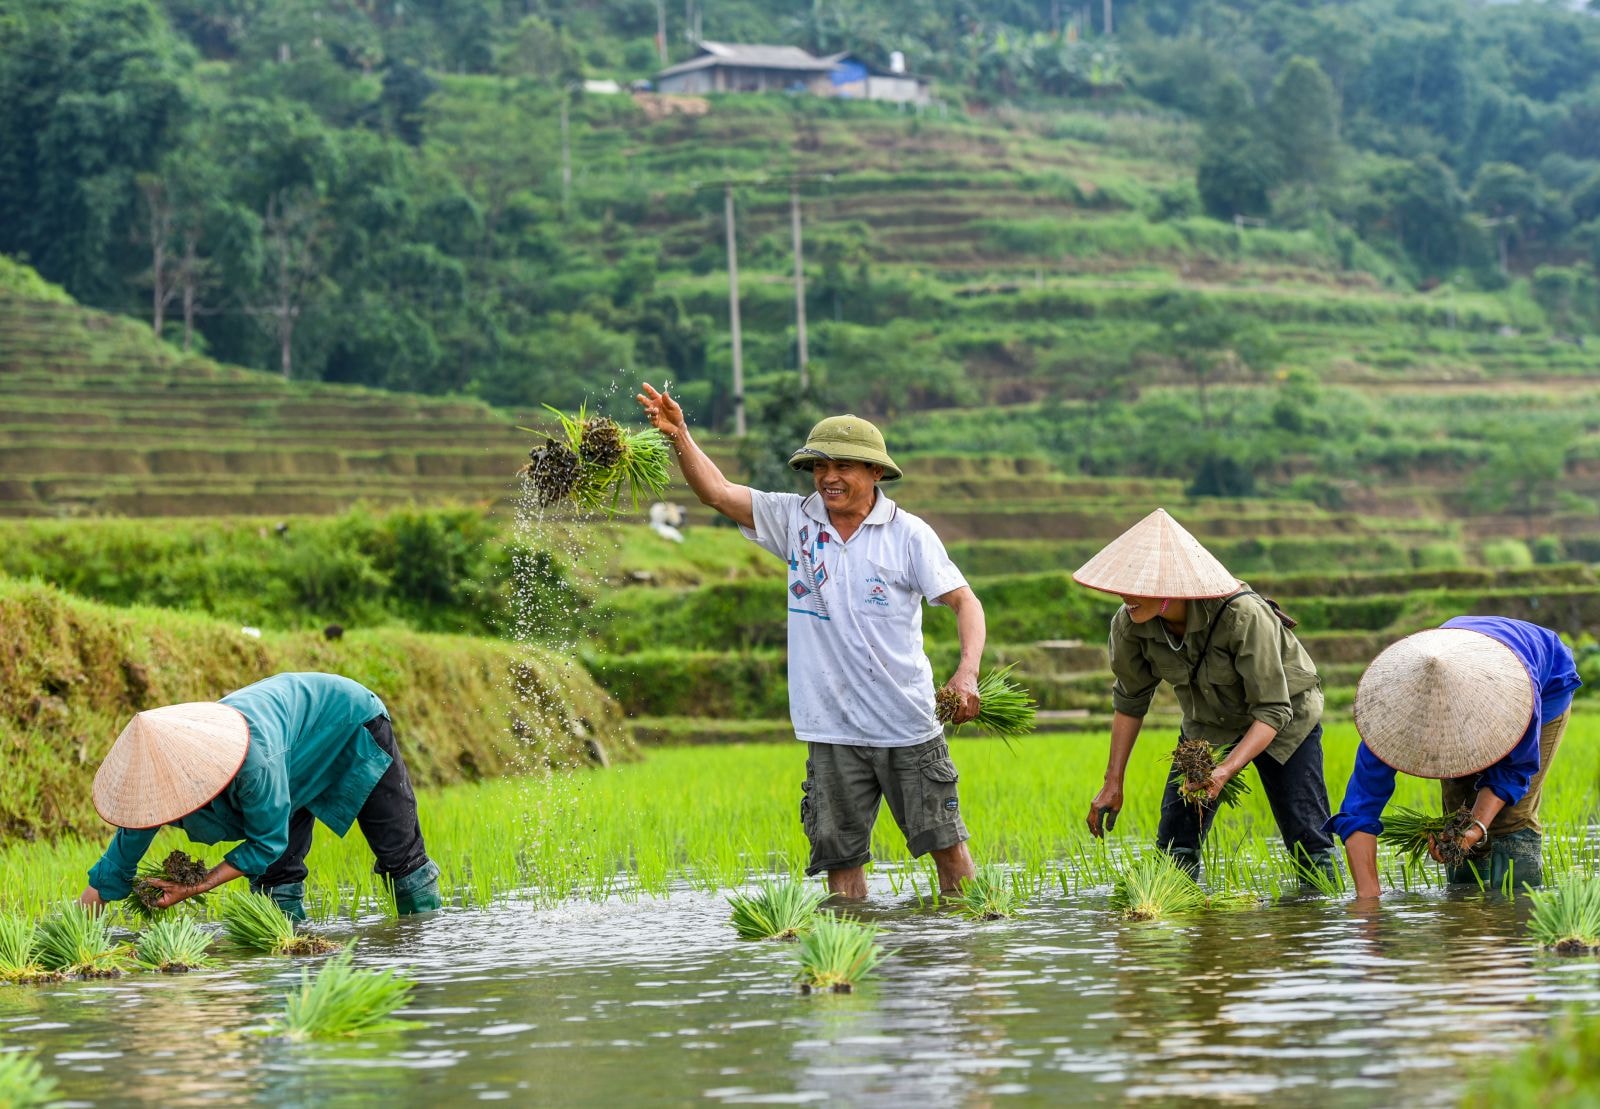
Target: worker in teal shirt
(261, 767)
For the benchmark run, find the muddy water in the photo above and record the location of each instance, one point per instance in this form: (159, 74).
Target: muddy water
(655, 1002)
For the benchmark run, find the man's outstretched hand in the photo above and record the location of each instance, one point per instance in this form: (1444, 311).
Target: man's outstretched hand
(664, 413)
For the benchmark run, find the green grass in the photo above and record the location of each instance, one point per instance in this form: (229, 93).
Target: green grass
(838, 953)
(776, 911)
(340, 1000)
(641, 839)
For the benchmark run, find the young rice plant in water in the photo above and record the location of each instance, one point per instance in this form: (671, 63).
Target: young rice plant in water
(837, 953)
(1154, 887)
(22, 1081)
(776, 911)
(174, 945)
(1567, 919)
(340, 1000)
(988, 895)
(19, 956)
(77, 942)
(254, 920)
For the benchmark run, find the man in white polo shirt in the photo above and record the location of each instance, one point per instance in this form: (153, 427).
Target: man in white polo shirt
(860, 688)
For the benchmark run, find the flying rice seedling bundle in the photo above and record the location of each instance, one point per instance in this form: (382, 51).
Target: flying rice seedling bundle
(593, 460)
(1005, 709)
(837, 953)
(1193, 763)
(253, 920)
(179, 867)
(1410, 832)
(776, 911)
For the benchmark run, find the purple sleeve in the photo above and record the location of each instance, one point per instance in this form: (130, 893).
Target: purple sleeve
(1371, 786)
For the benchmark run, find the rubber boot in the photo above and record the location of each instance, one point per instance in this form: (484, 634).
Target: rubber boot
(289, 898)
(418, 892)
(1187, 858)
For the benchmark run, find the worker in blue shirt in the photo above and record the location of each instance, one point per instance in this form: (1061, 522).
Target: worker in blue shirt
(1480, 703)
(261, 767)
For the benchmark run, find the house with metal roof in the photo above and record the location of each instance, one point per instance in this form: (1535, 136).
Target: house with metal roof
(729, 67)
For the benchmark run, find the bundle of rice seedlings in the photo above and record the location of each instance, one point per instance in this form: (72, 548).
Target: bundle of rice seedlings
(776, 911)
(77, 942)
(596, 459)
(1005, 709)
(174, 945)
(1566, 919)
(22, 1081)
(988, 895)
(19, 956)
(340, 1000)
(1154, 887)
(1410, 831)
(1193, 762)
(179, 867)
(254, 920)
(837, 953)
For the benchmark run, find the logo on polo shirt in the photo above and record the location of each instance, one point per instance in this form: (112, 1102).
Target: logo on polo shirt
(878, 595)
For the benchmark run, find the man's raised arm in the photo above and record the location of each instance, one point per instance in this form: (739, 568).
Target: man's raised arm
(707, 481)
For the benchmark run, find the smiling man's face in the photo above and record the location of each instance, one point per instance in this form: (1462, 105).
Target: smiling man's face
(846, 487)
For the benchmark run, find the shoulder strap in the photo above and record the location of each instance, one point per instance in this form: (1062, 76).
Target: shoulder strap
(1211, 630)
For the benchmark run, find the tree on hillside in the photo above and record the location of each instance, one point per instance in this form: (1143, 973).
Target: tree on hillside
(1512, 202)
(1524, 473)
(293, 230)
(1238, 167)
(1207, 341)
(1302, 117)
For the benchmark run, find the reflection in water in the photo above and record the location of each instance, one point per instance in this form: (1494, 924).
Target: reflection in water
(1309, 1002)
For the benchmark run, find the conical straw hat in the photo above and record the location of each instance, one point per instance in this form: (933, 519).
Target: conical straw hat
(168, 762)
(1444, 703)
(1157, 558)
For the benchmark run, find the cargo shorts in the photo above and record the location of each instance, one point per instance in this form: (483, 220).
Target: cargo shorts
(844, 785)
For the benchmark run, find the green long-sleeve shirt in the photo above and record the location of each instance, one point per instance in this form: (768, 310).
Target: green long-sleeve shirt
(308, 750)
(1255, 669)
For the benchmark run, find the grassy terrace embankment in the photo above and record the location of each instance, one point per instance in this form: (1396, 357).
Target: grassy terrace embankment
(73, 671)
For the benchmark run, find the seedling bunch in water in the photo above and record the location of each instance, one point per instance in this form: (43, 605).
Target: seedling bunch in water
(1193, 763)
(1410, 832)
(174, 945)
(77, 942)
(253, 920)
(340, 1000)
(180, 867)
(594, 460)
(22, 1081)
(19, 955)
(776, 911)
(990, 894)
(1566, 919)
(1153, 887)
(1005, 709)
(838, 953)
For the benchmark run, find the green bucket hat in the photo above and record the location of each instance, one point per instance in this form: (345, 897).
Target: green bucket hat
(846, 438)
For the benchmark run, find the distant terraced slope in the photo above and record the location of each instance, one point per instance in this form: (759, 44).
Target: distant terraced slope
(97, 416)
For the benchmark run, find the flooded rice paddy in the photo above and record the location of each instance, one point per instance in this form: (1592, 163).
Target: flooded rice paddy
(1307, 1002)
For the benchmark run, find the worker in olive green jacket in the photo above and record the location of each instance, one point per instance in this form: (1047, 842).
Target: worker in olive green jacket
(260, 767)
(1242, 680)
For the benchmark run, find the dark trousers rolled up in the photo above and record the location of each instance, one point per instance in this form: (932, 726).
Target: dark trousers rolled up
(1296, 791)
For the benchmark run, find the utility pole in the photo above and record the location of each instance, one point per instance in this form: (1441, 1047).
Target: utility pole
(1108, 18)
(661, 31)
(801, 356)
(566, 154)
(733, 312)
